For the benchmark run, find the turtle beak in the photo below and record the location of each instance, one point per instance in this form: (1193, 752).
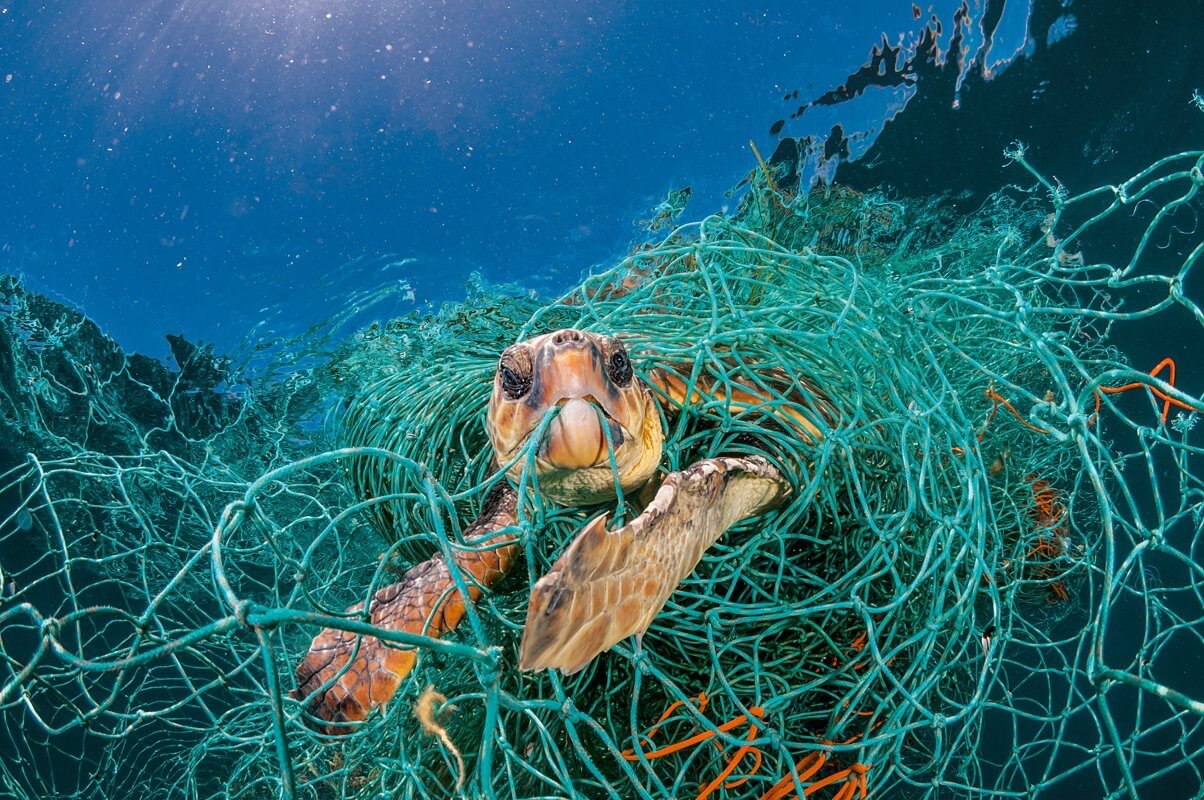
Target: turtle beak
(575, 438)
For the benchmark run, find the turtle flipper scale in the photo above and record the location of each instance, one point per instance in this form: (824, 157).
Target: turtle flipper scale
(607, 586)
(423, 601)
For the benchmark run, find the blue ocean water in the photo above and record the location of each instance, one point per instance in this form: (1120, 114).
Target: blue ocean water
(227, 168)
(195, 168)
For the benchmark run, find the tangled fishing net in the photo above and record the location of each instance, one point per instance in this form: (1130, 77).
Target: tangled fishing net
(986, 581)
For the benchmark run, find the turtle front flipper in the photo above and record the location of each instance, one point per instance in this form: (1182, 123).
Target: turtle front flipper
(609, 585)
(425, 601)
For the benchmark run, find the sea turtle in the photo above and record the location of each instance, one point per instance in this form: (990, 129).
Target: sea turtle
(607, 434)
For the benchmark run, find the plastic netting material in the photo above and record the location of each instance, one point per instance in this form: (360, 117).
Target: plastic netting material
(980, 584)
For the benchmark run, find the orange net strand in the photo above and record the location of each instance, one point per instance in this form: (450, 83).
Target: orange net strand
(714, 785)
(701, 700)
(756, 767)
(827, 780)
(1000, 400)
(806, 766)
(846, 792)
(1168, 364)
(861, 770)
(697, 738)
(854, 778)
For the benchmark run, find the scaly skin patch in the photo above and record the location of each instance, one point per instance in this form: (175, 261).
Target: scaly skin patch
(419, 603)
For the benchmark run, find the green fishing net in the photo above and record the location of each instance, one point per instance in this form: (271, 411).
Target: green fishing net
(987, 580)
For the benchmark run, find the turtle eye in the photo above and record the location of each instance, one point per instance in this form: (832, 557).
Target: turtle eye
(619, 368)
(515, 371)
(514, 384)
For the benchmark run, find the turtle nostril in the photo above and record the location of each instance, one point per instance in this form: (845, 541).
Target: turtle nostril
(566, 335)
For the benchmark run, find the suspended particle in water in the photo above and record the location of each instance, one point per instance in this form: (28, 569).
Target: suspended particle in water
(24, 521)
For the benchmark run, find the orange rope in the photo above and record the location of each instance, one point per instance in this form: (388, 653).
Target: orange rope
(1047, 505)
(702, 701)
(756, 767)
(827, 780)
(1167, 363)
(858, 782)
(756, 711)
(785, 786)
(999, 400)
(854, 777)
(846, 791)
(697, 738)
(711, 787)
(805, 767)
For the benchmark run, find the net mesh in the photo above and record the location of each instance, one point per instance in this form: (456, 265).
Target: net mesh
(986, 581)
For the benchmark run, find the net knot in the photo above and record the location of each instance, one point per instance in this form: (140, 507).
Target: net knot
(488, 670)
(242, 610)
(50, 628)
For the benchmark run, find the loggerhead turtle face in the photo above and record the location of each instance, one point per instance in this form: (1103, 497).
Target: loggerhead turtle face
(582, 373)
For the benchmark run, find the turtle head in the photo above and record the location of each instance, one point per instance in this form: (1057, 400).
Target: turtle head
(588, 377)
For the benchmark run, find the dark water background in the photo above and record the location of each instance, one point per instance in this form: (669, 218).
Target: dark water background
(173, 167)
